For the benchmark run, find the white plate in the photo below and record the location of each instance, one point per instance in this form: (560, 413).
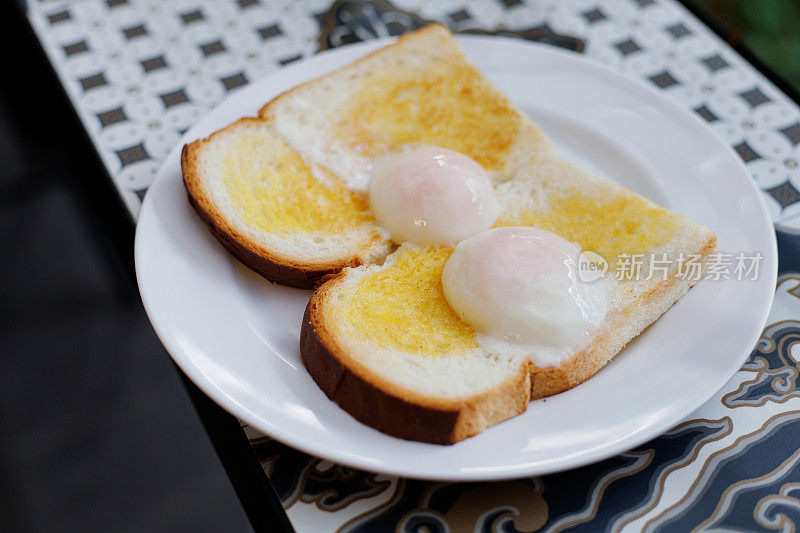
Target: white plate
(236, 335)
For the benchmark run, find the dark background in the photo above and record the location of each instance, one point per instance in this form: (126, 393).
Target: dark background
(96, 430)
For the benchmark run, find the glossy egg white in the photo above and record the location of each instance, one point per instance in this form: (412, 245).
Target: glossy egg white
(431, 196)
(522, 285)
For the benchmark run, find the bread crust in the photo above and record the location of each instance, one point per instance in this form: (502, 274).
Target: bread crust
(368, 403)
(266, 262)
(382, 405)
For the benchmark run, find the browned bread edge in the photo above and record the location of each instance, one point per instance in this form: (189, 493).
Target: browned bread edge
(276, 268)
(372, 402)
(367, 403)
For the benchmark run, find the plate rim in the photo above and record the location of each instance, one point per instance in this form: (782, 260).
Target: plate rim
(221, 398)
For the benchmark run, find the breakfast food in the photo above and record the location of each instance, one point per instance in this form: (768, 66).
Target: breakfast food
(521, 290)
(460, 326)
(289, 220)
(431, 196)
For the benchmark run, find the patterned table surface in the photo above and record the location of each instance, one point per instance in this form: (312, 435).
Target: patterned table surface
(141, 72)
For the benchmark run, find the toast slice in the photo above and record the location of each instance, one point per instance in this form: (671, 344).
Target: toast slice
(420, 89)
(290, 221)
(383, 343)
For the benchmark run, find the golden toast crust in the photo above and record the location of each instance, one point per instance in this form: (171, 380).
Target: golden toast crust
(274, 266)
(384, 405)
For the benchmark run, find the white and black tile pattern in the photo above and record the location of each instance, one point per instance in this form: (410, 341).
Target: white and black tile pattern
(141, 72)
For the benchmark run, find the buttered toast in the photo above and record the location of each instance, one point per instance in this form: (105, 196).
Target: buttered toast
(285, 192)
(290, 221)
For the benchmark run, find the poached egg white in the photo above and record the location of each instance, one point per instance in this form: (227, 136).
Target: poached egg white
(431, 196)
(520, 286)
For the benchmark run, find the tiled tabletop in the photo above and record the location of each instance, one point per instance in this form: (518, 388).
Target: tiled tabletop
(141, 72)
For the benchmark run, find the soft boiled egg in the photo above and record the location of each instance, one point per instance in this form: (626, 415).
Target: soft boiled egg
(522, 286)
(431, 196)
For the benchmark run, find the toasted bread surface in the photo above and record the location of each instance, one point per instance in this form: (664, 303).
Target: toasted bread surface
(438, 397)
(287, 220)
(420, 89)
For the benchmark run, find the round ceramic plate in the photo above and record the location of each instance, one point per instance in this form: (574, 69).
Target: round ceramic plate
(236, 335)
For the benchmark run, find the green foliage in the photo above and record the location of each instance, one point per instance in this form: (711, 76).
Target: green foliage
(771, 28)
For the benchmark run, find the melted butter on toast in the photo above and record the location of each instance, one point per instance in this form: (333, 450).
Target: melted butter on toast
(403, 306)
(274, 190)
(608, 223)
(451, 106)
